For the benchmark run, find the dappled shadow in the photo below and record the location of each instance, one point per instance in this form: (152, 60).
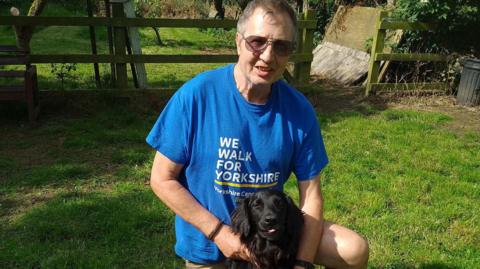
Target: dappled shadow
(72, 143)
(128, 229)
(335, 103)
(13, 112)
(330, 99)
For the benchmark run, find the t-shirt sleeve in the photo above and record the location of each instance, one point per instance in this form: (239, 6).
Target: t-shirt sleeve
(170, 134)
(311, 156)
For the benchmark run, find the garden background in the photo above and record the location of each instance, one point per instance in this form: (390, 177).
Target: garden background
(74, 188)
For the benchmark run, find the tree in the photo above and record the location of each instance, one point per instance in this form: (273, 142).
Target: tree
(220, 10)
(151, 9)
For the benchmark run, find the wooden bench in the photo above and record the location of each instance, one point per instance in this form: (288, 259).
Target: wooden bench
(28, 90)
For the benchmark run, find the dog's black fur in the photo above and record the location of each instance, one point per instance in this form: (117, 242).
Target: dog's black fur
(270, 225)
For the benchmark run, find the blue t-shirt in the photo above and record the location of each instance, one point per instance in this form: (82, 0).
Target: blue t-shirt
(231, 148)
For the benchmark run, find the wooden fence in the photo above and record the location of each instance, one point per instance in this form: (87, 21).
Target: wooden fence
(301, 59)
(384, 23)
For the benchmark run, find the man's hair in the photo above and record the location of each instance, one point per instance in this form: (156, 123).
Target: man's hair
(271, 7)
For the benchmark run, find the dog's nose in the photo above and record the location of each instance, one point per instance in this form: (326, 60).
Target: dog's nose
(269, 219)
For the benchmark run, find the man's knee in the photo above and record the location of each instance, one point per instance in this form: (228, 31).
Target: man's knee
(355, 252)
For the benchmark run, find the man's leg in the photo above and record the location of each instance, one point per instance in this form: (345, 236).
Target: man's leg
(341, 247)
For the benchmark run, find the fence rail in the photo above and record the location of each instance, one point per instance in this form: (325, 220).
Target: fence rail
(393, 24)
(383, 24)
(302, 59)
(131, 22)
(145, 58)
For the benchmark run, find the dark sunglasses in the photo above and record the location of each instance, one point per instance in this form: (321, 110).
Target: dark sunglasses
(258, 44)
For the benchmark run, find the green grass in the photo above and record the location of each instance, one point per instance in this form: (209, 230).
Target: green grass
(408, 184)
(74, 192)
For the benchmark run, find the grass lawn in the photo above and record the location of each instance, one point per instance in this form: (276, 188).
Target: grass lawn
(74, 191)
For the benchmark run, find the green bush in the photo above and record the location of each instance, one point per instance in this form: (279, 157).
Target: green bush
(458, 25)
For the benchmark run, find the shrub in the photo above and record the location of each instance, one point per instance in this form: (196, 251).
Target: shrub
(458, 25)
(172, 8)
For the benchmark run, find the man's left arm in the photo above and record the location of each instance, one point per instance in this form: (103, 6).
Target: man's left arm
(311, 203)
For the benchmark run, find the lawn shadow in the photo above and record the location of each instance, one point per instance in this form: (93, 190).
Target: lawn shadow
(331, 99)
(335, 103)
(72, 143)
(13, 112)
(128, 228)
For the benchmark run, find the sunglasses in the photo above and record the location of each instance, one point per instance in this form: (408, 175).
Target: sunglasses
(258, 44)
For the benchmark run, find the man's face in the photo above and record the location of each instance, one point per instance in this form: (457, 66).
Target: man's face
(264, 68)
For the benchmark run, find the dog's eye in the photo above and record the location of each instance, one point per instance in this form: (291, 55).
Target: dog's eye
(280, 206)
(257, 204)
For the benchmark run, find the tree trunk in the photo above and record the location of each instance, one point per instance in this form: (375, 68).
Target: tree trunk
(157, 33)
(220, 10)
(24, 34)
(37, 7)
(243, 3)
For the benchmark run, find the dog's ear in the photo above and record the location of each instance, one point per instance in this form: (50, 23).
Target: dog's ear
(241, 218)
(294, 220)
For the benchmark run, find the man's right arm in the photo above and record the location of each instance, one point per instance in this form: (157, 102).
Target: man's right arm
(165, 184)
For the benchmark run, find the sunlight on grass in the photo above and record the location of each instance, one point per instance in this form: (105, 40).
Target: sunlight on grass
(93, 229)
(74, 191)
(400, 178)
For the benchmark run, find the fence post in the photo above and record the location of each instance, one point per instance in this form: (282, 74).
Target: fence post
(377, 47)
(93, 43)
(121, 81)
(305, 46)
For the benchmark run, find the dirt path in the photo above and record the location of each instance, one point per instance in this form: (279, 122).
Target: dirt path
(332, 99)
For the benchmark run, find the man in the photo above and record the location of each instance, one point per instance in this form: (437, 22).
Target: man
(238, 129)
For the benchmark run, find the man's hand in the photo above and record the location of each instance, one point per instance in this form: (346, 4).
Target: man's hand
(229, 244)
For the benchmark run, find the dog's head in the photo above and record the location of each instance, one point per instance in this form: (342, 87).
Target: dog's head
(268, 214)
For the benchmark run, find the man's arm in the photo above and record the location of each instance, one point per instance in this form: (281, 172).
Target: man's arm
(164, 183)
(311, 203)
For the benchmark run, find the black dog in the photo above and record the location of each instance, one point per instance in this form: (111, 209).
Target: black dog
(270, 225)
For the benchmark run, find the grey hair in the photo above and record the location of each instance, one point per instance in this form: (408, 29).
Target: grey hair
(271, 6)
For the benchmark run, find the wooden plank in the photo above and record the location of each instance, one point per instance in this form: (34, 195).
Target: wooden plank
(409, 57)
(13, 60)
(130, 22)
(301, 57)
(395, 39)
(93, 43)
(105, 58)
(11, 48)
(11, 88)
(389, 24)
(150, 58)
(13, 92)
(437, 86)
(116, 22)
(12, 74)
(302, 69)
(136, 47)
(120, 45)
(377, 47)
(110, 42)
(309, 23)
